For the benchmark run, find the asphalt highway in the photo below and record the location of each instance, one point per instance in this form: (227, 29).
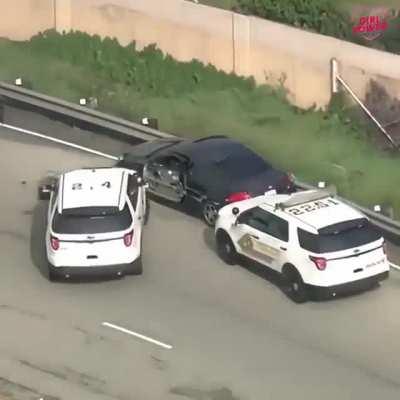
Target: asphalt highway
(233, 334)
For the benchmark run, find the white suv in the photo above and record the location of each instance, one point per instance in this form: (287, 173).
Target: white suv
(320, 245)
(94, 222)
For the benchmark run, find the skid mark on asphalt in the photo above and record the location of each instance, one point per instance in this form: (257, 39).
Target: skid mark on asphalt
(55, 374)
(27, 212)
(16, 391)
(22, 311)
(90, 338)
(159, 364)
(198, 394)
(90, 383)
(15, 235)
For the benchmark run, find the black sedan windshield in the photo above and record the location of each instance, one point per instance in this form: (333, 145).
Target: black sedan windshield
(242, 164)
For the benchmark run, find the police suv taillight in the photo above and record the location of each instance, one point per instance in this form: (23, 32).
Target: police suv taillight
(55, 243)
(128, 238)
(319, 262)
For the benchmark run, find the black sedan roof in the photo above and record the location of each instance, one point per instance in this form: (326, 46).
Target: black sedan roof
(213, 150)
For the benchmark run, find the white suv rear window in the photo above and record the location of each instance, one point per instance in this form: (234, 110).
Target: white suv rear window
(89, 220)
(339, 237)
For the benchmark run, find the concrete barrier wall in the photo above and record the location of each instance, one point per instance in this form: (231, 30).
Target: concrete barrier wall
(21, 19)
(272, 53)
(177, 27)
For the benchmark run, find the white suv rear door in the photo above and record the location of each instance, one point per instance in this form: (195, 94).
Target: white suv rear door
(80, 244)
(262, 236)
(351, 255)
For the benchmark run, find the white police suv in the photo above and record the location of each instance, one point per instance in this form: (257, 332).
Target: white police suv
(320, 245)
(94, 222)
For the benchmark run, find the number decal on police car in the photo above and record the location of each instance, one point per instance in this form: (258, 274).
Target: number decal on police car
(316, 205)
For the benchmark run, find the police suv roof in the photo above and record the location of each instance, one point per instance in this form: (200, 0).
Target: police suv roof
(314, 208)
(101, 187)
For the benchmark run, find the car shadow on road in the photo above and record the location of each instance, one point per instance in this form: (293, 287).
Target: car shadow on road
(186, 208)
(37, 243)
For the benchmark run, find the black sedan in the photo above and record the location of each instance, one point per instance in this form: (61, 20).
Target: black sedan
(207, 173)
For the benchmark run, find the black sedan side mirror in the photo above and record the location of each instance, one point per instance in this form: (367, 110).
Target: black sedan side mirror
(44, 192)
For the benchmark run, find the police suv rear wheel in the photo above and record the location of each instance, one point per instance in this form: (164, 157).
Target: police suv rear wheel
(294, 285)
(51, 274)
(136, 268)
(226, 249)
(147, 212)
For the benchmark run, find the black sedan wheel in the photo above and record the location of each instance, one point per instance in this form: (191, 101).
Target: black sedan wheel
(210, 213)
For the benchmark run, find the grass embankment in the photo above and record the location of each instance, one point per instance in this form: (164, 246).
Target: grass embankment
(192, 100)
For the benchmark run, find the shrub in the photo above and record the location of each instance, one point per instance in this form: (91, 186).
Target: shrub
(316, 15)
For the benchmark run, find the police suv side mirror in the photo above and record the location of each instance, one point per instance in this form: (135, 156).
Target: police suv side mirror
(44, 192)
(235, 212)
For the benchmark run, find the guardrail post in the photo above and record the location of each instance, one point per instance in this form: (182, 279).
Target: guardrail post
(150, 122)
(334, 75)
(1, 110)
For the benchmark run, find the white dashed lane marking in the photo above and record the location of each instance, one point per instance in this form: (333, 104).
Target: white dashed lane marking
(138, 335)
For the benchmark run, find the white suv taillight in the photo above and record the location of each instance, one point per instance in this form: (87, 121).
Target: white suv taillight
(128, 238)
(384, 247)
(319, 262)
(55, 243)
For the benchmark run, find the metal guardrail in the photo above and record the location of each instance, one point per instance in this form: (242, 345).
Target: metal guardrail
(386, 224)
(80, 113)
(136, 131)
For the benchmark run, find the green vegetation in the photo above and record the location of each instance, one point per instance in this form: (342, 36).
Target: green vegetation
(226, 4)
(316, 15)
(327, 17)
(194, 100)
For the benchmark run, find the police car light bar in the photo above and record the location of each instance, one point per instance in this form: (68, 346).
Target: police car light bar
(304, 197)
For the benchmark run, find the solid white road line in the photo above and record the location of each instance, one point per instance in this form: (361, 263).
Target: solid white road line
(138, 335)
(75, 146)
(394, 266)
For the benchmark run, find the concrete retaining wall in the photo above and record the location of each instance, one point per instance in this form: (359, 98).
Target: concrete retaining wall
(270, 52)
(21, 19)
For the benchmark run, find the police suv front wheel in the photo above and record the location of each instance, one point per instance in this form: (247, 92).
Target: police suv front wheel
(210, 213)
(295, 287)
(225, 248)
